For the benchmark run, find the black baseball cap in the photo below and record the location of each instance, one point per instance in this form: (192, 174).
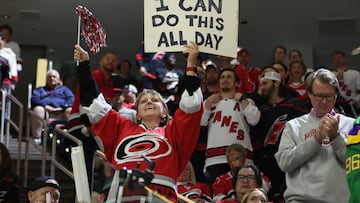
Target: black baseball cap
(44, 181)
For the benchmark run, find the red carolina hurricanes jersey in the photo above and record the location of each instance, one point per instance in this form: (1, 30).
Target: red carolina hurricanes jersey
(194, 191)
(170, 146)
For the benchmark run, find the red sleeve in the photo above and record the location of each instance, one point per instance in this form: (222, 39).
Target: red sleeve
(245, 84)
(205, 189)
(183, 130)
(219, 187)
(107, 130)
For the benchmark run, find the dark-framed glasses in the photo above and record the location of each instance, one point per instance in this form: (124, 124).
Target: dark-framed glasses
(320, 97)
(242, 178)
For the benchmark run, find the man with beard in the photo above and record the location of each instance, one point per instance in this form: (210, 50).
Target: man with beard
(228, 115)
(211, 78)
(198, 157)
(275, 112)
(78, 124)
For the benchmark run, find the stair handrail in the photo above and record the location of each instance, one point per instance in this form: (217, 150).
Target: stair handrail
(6, 122)
(54, 162)
(18, 127)
(42, 148)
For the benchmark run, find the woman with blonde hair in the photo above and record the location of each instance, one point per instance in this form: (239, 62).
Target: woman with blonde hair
(188, 187)
(255, 195)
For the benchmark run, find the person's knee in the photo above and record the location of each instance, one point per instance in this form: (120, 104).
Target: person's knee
(39, 111)
(67, 113)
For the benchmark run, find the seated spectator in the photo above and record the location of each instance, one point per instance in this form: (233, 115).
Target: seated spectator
(54, 99)
(247, 177)
(256, 195)
(9, 188)
(129, 94)
(188, 187)
(44, 189)
(223, 185)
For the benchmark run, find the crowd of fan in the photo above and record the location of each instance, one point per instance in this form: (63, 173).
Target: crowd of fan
(246, 109)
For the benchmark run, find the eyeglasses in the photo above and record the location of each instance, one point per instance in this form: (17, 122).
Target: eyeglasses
(241, 178)
(320, 97)
(234, 156)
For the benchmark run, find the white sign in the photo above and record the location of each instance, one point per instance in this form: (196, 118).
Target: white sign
(212, 24)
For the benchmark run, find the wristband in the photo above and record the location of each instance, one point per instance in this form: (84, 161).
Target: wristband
(194, 69)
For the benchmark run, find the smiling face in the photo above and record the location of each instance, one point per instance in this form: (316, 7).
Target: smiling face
(150, 105)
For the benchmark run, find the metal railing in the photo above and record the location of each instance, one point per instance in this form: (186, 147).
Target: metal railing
(7, 122)
(54, 163)
(29, 140)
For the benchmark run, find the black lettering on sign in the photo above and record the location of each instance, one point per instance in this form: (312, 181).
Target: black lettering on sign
(172, 39)
(208, 40)
(162, 6)
(203, 5)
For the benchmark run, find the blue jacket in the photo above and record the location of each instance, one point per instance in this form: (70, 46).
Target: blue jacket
(61, 96)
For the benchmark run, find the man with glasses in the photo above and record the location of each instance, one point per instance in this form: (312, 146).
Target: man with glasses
(223, 187)
(312, 147)
(247, 177)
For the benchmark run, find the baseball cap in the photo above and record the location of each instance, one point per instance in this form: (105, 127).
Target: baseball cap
(208, 64)
(116, 89)
(271, 76)
(130, 88)
(44, 181)
(241, 50)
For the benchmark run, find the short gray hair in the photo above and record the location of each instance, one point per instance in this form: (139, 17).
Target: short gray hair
(324, 76)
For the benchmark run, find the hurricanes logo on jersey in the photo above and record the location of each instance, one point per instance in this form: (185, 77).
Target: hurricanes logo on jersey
(151, 145)
(275, 130)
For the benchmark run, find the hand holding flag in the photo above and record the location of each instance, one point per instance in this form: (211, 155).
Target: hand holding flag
(92, 31)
